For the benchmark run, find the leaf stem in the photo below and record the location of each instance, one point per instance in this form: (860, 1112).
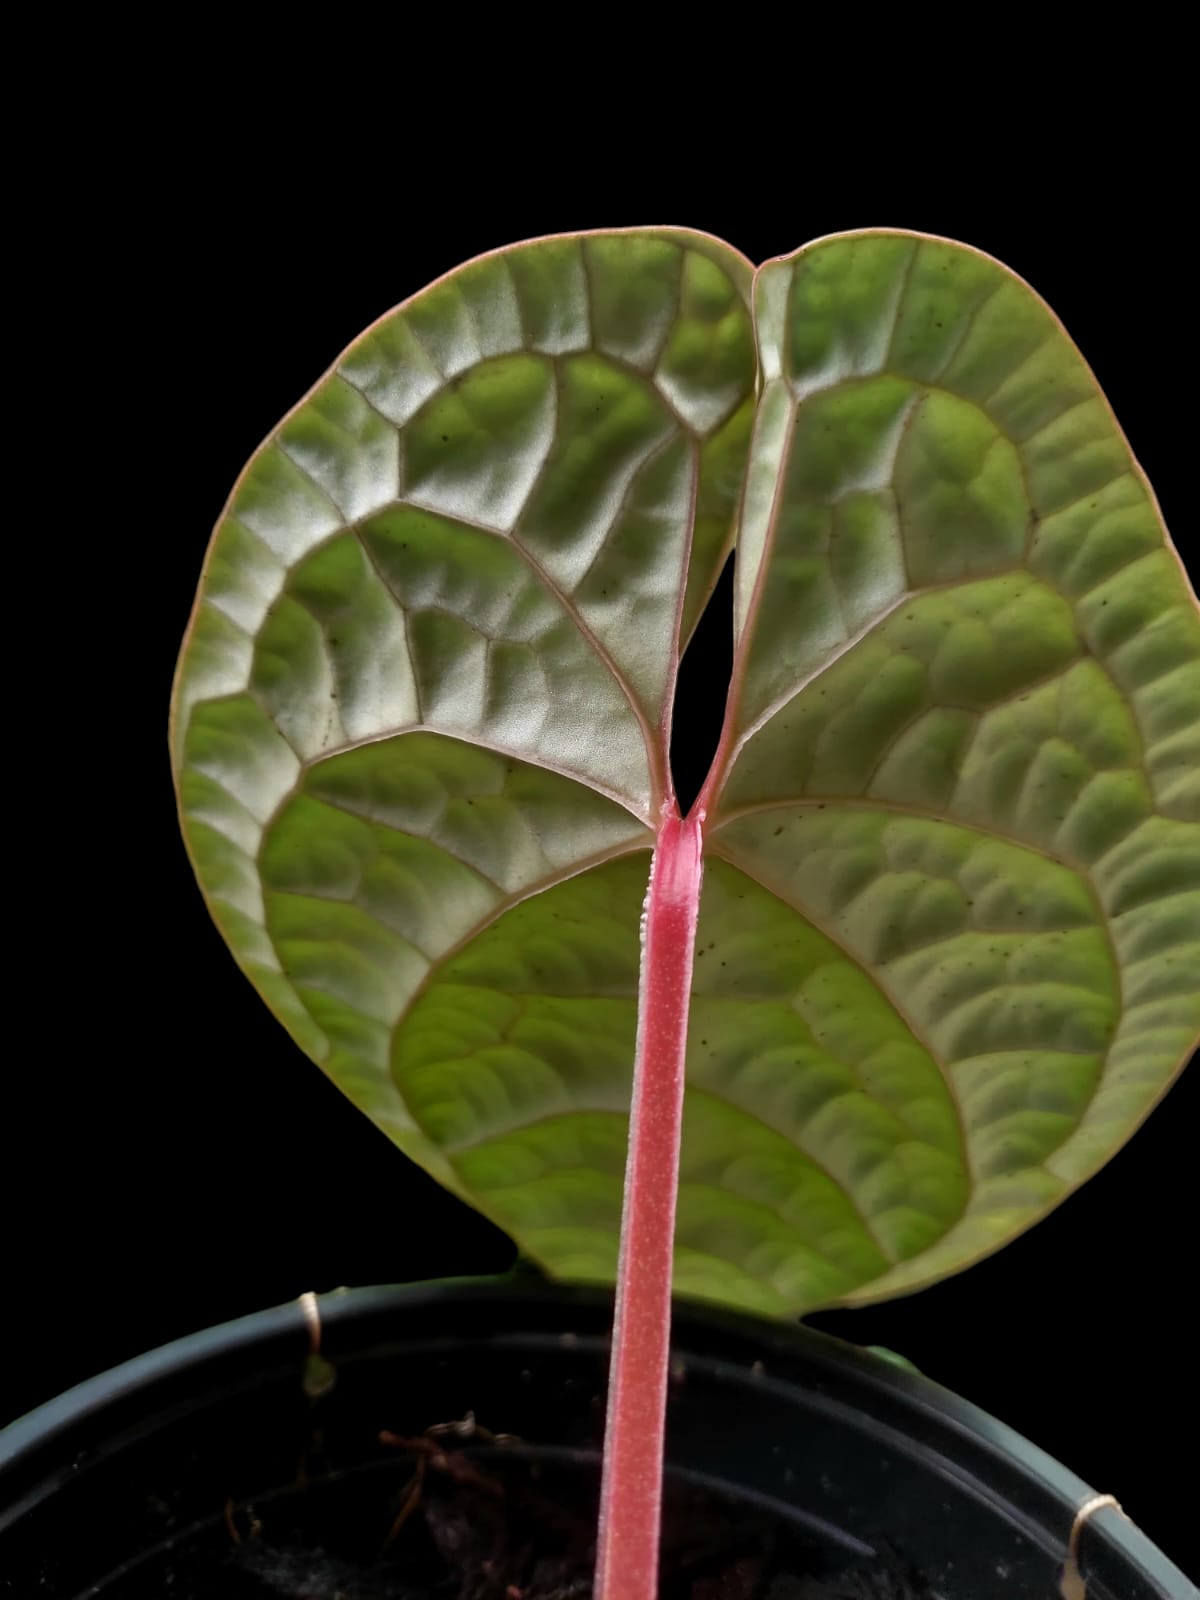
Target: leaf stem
(631, 1491)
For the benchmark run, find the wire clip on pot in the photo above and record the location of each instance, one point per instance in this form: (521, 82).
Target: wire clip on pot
(1072, 1585)
(319, 1375)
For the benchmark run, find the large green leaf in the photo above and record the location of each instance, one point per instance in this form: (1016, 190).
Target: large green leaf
(951, 915)
(429, 672)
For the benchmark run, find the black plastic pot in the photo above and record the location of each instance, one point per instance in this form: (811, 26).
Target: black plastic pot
(147, 1472)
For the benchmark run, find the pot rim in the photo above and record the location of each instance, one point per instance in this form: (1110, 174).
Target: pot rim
(902, 1393)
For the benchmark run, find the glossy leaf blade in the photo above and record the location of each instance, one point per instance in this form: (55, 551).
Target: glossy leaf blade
(962, 748)
(951, 918)
(422, 710)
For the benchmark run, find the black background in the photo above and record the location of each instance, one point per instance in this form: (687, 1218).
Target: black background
(183, 1163)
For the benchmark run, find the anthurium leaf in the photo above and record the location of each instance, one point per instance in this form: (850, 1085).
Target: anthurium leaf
(428, 679)
(951, 913)
(954, 833)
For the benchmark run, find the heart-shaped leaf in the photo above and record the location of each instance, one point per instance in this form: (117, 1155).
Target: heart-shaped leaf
(951, 919)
